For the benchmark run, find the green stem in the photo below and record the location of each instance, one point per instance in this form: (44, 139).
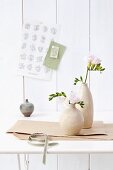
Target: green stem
(86, 75)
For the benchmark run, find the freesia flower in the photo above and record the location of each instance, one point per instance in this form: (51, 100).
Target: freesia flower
(90, 59)
(61, 99)
(93, 64)
(96, 61)
(72, 99)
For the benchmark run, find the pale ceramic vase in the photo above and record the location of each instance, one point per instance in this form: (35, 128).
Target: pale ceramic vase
(87, 111)
(71, 120)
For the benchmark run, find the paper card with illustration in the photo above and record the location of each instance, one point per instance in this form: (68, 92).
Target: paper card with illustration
(54, 55)
(36, 38)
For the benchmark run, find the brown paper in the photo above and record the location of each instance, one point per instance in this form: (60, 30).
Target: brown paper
(23, 128)
(30, 127)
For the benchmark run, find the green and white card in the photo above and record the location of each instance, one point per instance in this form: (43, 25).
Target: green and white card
(54, 55)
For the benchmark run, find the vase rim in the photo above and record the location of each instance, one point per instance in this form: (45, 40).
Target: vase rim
(84, 83)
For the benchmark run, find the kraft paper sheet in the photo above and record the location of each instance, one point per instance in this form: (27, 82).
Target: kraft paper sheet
(24, 128)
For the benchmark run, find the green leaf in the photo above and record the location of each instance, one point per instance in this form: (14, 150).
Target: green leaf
(97, 68)
(63, 93)
(57, 94)
(50, 98)
(81, 78)
(51, 95)
(77, 80)
(92, 67)
(81, 103)
(102, 69)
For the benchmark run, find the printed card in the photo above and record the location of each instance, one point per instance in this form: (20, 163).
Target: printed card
(36, 38)
(54, 55)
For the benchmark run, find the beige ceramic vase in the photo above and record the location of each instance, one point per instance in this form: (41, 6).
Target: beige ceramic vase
(87, 111)
(71, 120)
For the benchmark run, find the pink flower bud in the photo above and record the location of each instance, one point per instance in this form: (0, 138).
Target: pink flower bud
(91, 58)
(96, 61)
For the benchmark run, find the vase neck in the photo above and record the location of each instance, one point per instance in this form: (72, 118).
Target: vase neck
(85, 84)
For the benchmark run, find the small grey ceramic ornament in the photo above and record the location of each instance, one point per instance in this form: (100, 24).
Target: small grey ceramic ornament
(27, 108)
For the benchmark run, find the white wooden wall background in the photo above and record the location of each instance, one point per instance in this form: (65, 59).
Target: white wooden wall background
(84, 25)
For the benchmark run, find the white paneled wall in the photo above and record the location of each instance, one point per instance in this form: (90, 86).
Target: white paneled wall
(78, 24)
(85, 25)
(37, 90)
(102, 45)
(74, 21)
(10, 29)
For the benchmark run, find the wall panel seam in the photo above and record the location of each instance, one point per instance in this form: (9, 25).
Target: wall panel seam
(23, 78)
(56, 21)
(89, 35)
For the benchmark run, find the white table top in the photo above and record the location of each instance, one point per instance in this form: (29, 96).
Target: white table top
(10, 144)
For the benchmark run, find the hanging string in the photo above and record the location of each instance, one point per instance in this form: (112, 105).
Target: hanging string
(23, 79)
(22, 12)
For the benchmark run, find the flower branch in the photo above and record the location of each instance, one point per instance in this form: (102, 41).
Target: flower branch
(81, 103)
(93, 64)
(78, 80)
(73, 99)
(57, 94)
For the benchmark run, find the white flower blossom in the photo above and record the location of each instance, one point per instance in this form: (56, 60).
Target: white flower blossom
(91, 59)
(61, 99)
(96, 61)
(73, 98)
